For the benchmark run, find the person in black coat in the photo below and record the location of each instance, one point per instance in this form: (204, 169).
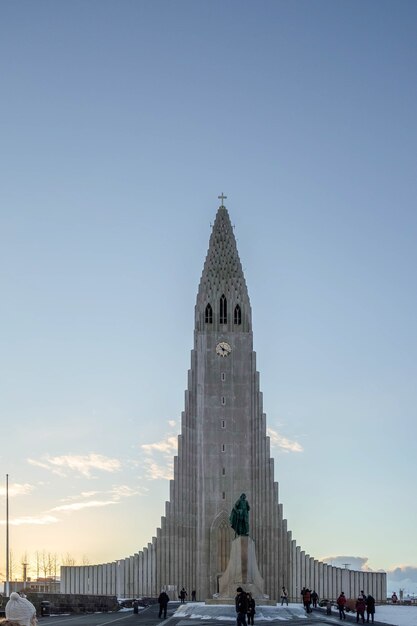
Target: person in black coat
(251, 609)
(241, 603)
(163, 603)
(370, 608)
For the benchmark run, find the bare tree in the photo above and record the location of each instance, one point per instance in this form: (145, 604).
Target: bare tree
(12, 565)
(45, 563)
(38, 562)
(68, 560)
(86, 560)
(54, 564)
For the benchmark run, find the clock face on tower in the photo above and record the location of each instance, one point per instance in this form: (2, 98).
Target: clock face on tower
(223, 348)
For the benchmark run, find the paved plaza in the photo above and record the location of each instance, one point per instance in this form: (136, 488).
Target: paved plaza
(199, 615)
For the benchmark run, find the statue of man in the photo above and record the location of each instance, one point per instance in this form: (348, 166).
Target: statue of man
(239, 517)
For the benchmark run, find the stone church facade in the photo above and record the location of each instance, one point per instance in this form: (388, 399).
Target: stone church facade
(223, 451)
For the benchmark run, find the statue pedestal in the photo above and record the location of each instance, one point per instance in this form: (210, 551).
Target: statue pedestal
(242, 571)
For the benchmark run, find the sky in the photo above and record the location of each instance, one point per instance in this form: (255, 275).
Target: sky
(121, 124)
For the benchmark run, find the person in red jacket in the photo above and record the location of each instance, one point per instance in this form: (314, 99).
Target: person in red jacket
(360, 609)
(341, 603)
(307, 600)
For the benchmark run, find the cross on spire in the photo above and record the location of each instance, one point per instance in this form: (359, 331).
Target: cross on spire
(222, 197)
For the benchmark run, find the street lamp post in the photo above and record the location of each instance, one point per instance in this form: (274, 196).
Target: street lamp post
(7, 586)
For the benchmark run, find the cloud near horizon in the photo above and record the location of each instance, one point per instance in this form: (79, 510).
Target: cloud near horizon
(83, 465)
(78, 506)
(116, 493)
(169, 445)
(400, 577)
(33, 520)
(403, 572)
(284, 444)
(157, 471)
(17, 489)
(159, 456)
(77, 503)
(358, 563)
(124, 491)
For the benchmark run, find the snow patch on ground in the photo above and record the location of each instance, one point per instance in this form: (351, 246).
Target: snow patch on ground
(398, 615)
(389, 614)
(226, 612)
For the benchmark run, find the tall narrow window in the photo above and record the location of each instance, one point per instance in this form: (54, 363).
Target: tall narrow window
(238, 315)
(209, 314)
(223, 310)
(223, 376)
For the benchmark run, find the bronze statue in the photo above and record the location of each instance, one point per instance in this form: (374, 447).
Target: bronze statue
(239, 517)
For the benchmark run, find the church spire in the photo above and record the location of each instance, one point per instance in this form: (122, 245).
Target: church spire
(222, 298)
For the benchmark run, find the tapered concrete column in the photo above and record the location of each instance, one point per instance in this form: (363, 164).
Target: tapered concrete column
(311, 584)
(332, 583)
(303, 570)
(292, 587)
(320, 583)
(298, 585)
(356, 585)
(326, 587)
(339, 581)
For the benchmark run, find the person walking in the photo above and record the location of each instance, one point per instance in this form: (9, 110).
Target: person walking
(251, 609)
(241, 603)
(183, 595)
(314, 599)
(284, 596)
(307, 600)
(341, 603)
(193, 595)
(360, 609)
(163, 604)
(370, 608)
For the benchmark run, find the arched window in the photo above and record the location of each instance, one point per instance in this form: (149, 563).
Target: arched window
(209, 314)
(223, 543)
(237, 318)
(223, 310)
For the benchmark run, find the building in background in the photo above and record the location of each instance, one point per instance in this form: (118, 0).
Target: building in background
(39, 585)
(223, 451)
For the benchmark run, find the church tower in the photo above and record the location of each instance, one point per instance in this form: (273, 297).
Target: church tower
(223, 448)
(223, 451)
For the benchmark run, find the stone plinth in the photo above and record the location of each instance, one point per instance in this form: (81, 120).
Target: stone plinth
(231, 601)
(242, 571)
